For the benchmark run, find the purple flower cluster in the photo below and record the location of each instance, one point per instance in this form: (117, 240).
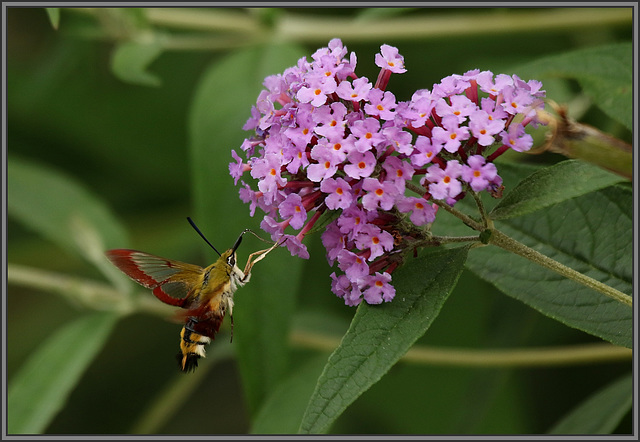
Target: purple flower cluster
(326, 140)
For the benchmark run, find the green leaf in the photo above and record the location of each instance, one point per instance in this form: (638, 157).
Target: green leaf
(131, 59)
(605, 73)
(601, 412)
(282, 412)
(54, 16)
(592, 234)
(62, 210)
(263, 309)
(379, 335)
(552, 185)
(41, 387)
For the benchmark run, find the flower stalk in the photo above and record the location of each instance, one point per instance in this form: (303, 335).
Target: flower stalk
(505, 242)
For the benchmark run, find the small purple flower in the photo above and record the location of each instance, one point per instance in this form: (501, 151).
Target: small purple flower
(425, 151)
(292, 208)
(516, 138)
(343, 288)
(236, 169)
(495, 113)
(361, 164)
(390, 59)
(381, 104)
(484, 128)
(339, 193)
(352, 221)
(353, 265)
(301, 134)
(379, 194)
(267, 170)
(380, 288)
(295, 246)
(295, 157)
(398, 171)
(477, 173)
(515, 100)
(358, 91)
(248, 195)
(461, 107)
(367, 133)
(375, 240)
(333, 241)
(487, 84)
(317, 91)
(330, 120)
(448, 86)
(421, 211)
(444, 183)
(450, 135)
(399, 139)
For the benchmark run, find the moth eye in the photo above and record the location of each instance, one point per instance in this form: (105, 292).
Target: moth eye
(231, 260)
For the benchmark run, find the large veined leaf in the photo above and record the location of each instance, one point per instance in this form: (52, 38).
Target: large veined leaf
(591, 234)
(379, 335)
(552, 185)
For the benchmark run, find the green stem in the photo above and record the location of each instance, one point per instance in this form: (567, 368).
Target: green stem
(486, 221)
(91, 294)
(312, 28)
(463, 216)
(452, 239)
(467, 357)
(507, 243)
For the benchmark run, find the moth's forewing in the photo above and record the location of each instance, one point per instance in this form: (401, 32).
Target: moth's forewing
(171, 281)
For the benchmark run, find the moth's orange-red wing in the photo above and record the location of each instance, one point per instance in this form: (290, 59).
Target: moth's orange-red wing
(169, 279)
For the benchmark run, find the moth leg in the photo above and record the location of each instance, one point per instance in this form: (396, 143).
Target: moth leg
(260, 255)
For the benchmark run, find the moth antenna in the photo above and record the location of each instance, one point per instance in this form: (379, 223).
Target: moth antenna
(202, 235)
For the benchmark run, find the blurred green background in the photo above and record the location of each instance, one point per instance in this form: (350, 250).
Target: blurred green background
(129, 145)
